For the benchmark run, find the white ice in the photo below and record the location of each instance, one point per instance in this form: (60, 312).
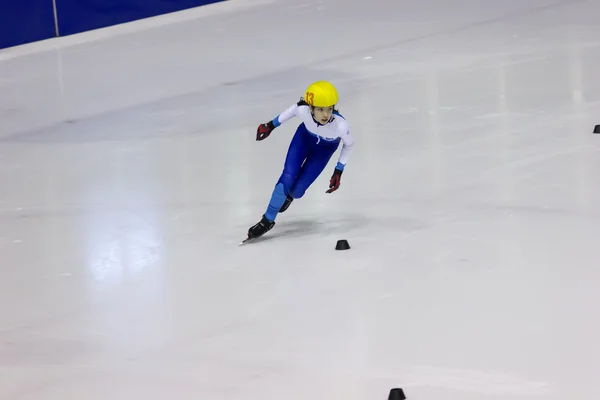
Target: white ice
(129, 173)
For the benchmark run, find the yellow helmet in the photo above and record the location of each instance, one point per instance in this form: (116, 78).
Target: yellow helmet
(321, 94)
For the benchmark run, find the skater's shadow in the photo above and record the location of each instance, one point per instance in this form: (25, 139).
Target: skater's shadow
(298, 228)
(339, 225)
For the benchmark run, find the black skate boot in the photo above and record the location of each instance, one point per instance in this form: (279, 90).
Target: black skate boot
(286, 203)
(262, 227)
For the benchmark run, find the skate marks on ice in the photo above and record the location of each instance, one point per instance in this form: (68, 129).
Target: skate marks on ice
(439, 380)
(358, 225)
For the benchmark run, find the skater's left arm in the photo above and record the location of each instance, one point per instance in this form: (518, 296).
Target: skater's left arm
(347, 145)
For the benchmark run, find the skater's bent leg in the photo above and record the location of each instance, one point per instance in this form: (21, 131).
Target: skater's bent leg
(297, 153)
(298, 150)
(310, 173)
(277, 199)
(311, 170)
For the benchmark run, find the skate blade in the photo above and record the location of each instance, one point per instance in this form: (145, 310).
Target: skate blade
(243, 242)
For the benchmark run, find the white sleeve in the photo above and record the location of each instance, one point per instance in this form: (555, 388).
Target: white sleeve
(348, 144)
(286, 115)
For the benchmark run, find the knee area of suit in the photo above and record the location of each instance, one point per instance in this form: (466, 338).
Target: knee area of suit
(287, 180)
(297, 193)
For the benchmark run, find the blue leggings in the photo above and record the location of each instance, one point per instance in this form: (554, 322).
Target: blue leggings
(307, 156)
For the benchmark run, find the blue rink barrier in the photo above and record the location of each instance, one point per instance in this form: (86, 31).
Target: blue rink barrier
(26, 21)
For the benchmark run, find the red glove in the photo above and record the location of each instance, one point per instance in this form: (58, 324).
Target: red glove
(264, 130)
(334, 182)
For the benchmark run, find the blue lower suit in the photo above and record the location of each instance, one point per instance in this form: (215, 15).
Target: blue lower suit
(307, 156)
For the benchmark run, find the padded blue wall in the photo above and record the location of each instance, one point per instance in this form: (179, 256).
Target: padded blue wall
(24, 21)
(76, 16)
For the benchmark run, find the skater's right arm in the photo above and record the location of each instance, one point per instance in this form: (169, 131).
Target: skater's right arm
(264, 130)
(293, 111)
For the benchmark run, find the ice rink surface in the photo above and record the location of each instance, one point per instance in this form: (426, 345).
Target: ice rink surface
(129, 173)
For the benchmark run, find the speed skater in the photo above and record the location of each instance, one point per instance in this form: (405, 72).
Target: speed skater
(312, 146)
